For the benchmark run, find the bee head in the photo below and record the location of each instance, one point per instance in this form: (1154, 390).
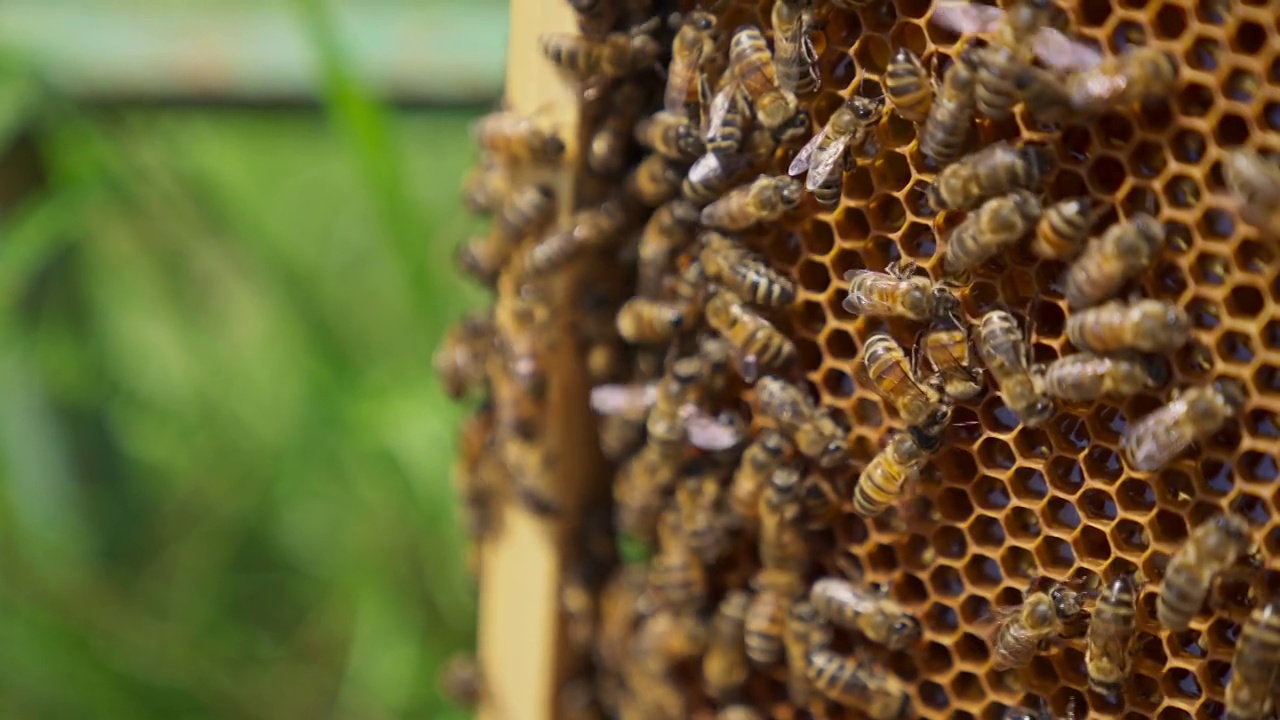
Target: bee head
(905, 631)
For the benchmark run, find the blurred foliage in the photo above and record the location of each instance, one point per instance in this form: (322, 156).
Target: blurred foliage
(224, 461)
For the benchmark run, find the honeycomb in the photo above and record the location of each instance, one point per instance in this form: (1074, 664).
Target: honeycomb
(1001, 504)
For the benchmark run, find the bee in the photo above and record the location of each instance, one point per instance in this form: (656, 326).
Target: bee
(690, 289)
(608, 146)
(510, 135)
(897, 292)
(725, 666)
(762, 144)
(676, 579)
(1214, 546)
(765, 199)
(757, 343)
(718, 356)
(642, 321)
(589, 228)
(671, 135)
(1024, 630)
(727, 114)
(1121, 253)
(461, 682)
(623, 600)
(484, 257)
(794, 56)
(734, 267)
(995, 225)
(782, 545)
(460, 360)
(531, 480)
(1111, 631)
(908, 86)
(710, 176)
(1004, 351)
(757, 79)
(680, 386)
(639, 489)
(815, 433)
(616, 55)
(762, 457)
(827, 156)
(1083, 377)
(486, 186)
(892, 379)
(1138, 75)
(578, 608)
(1255, 665)
(873, 614)
(766, 616)
(669, 230)
(821, 501)
(1256, 182)
(620, 436)
(525, 212)
(946, 347)
(693, 45)
(997, 169)
(738, 712)
(698, 499)
(802, 619)
(855, 684)
(1063, 229)
(1153, 326)
(654, 180)
(950, 121)
(477, 476)
(882, 480)
(1151, 442)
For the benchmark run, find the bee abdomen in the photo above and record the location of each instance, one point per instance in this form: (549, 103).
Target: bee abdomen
(1062, 230)
(996, 92)
(1181, 595)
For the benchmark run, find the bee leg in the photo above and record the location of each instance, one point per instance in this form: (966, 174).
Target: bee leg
(1221, 603)
(748, 366)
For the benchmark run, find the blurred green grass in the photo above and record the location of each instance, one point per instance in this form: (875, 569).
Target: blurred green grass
(224, 461)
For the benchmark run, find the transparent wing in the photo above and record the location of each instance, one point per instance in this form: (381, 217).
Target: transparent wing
(680, 77)
(709, 433)
(706, 167)
(832, 160)
(801, 161)
(619, 399)
(720, 105)
(1064, 53)
(786, 53)
(965, 17)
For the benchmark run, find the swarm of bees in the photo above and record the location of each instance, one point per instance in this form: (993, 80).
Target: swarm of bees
(804, 399)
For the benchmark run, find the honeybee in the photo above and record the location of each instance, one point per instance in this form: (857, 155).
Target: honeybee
(827, 155)
(1138, 75)
(794, 56)
(513, 136)
(680, 386)
(726, 116)
(814, 432)
(589, 228)
(761, 144)
(486, 186)
(908, 86)
(460, 360)
(639, 489)
(718, 356)
(782, 545)
(676, 579)
(1214, 546)
(1083, 377)
(873, 614)
(578, 609)
(1004, 351)
(881, 482)
(757, 78)
(757, 343)
(725, 666)
(616, 55)
(622, 601)
(669, 230)
(997, 169)
(892, 379)
(854, 684)
(620, 436)
(642, 321)
(477, 474)
(798, 628)
(1193, 413)
(950, 122)
(765, 199)
(1256, 182)
(897, 292)
(766, 616)
(759, 461)
(995, 225)
(693, 44)
(946, 347)
(654, 180)
(484, 257)
(1111, 631)
(710, 176)
(531, 480)
(1153, 326)
(734, 267)
(690, 289)
(460, 681)
(698, 499)
(525, 212)
(1255, 665)
(671, 135)
(1024, 630)
(1121, 253)
(738, 712)
(607, 149)
(1063, 229)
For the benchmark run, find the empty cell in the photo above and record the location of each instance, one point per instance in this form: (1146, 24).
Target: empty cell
(1195, 100)
(1210, 269)
(1168, 527)
(1093, 13)
(949, 542)
(1028, 484)
(1114, 130)
(1173, 487)
(1212, 12)
(1018, 562)
(1210, 710)
(1170, 22)
(1270, 116)
(1071, 662)
(1222, 633)
(953, 504)
(1032, 443)
(1069, 433)
(1258, 467)
(1055, 554)
(1187, 644)
(1065, 475)
(1203, 54)
(1244, 302)
(936, 659)
(1061, 514)
(858, 184)
(886, 213)
(995, 454)
(966, 687)
(1194, 360)
(910, 590)
(1126, 34)
(1216, 223)
(965, 428)
(1155, 116)
(1204, 313)
(990, 493)
(970, 648)
(1129, 536)
(1108, 423)
(1216, 477)
(985, 531)
(868, 412)
(892, 171)
(1249, 38)
(1097, 505)
(872, 52)
(837, 384)
(811, 318)
(819, 240)
(932, 694)
(1091, 543)
(882, 251)
(1181, 682)
(1140, 199)
(842, 73)
(1251, 507)
(809, 354)
(1106, 175)
(940, 619)
(1231, 130)
(918, 242)
(1254, 257)
(840, 345)
(996, 416)
(982, 571)
(1136, 496)
(1181, 191)
(974, 609)
(957, 465)
(852, 224)
(1146, 695)
(1267, 378)
(814, 277)
(1068, 183)
(1168, 280)
(1241, 85)
(982, 298)
(1235, 348)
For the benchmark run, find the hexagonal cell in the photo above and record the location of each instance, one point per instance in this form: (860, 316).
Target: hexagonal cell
(1141, 200)
(1061, 514)
(995, 454)
(1114, 130)
(1106, 175)
(1203, 54)
(918, 242)
(986, 531)
(1249, 38)
(1129, 536)
(1251, 507)
(1091, 544)
(1170, 22)
(1182, 191)
(811, 317)
(1155, 116)
(1093, 13)
(954, 506)
(1017, 562)
(814, 277)
(1241, 85)
(932, 694)
(949, 542)
(1195, 100)
(1028, 484)
(852, 224)
(1231, 130)
(1258, 467)
(1023, 524)
(1136, 496)
(1267, 378)
(836, 383)
(886, 213)
(840, 344)
(858, 184)
(940, 619)
(818, 240)
(1168, 528)
(1187, 644)
(966, 687)
(936, 659)
(910, 591)
(1210, 269)
(1182, 683)
(1270, 116)
(1098, 506)
(1108, 423)
(1245, 302)
(1069, 433)
(1065, 475)
(917, 552)
(1032, 443)
(982, 571)
(1215, 223)
(990, 493)
(1235, 348)
(1055, 554)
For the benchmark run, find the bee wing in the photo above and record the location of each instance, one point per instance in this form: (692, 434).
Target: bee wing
(709, 433)
(1101, 87)
(1064, 53)
(620, 399)
(801, 161)
(720, 105)
(787, 52)
(680, 78)
(966, 17)
(832, 160)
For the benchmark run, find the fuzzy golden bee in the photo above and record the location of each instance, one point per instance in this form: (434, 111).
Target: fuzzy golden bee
(589, 229)
(892, 378)
(802, 619)
(460, 360)
(525, 212)
(997, 224)
(1153, 326)
(681, 386)
(947, 348)
(616, 55)
(486, 186)
(881, 482)
(693, 45)
(1255, 665)
(733, 266)
(1120, 254)
(1137, 75)
(1023, 630)
(643, 321)
(828, 154)
(1084, 377)
(874, 614)
(762, 457)
(757, 78)
(725, 120)
(761, 144)
(512, 136)
(997, 169)
(671, 135)
(669, 230)
(908, 86)
(639, 490)
(757, 343)
(1213, 547)
(897, 292)
(711, 175)
(783, 548)
(1153, 441)
(699, 498)
(949, 125)
(676, 579)
(815, 433)
(1255, 181)
(725, 665)
(848, 682)
(765, 199)
(1063, 229)
(654, 181)
(767, 615)
(794, 57)
(483, 258)
(1109, 644)
(610, 142)
(1003, 349)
